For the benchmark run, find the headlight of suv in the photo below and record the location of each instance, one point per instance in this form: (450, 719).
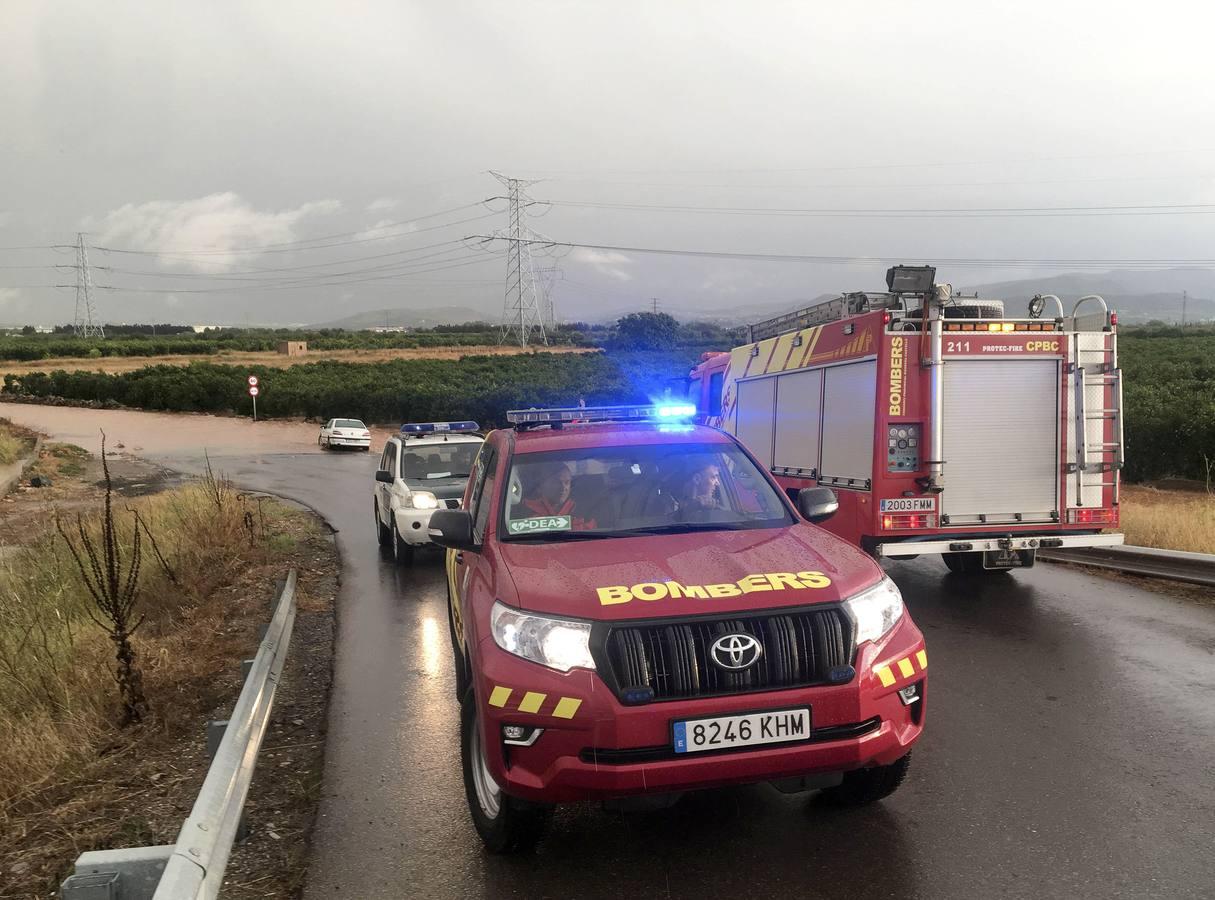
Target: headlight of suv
(557, 643)
(423, 500)
(875, 610)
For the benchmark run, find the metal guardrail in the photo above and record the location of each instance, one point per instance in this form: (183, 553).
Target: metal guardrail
(193, 868)
(1175, 565)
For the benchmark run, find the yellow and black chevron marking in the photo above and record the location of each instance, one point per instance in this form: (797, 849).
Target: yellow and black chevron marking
(532, 702)
(903, 669)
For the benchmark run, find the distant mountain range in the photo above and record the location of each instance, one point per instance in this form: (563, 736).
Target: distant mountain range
(1137, 296)
(408, 318)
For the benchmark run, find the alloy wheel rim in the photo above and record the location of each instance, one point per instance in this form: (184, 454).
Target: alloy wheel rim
(489, 797)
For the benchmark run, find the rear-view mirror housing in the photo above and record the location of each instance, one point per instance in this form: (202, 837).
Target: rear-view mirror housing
(817, 504)
(452, 528)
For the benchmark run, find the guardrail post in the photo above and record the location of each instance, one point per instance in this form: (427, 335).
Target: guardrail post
(215, 734)
(117, 874)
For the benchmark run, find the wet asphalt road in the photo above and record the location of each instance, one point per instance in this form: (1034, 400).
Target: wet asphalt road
(1070, 749)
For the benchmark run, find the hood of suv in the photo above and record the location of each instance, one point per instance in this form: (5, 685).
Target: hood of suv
(657, 576)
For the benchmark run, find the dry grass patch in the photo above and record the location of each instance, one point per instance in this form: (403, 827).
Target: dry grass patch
(1168, 519)
(14, 442)
(72, 779)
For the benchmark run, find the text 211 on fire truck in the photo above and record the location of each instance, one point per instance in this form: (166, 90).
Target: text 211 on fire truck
(943, 425)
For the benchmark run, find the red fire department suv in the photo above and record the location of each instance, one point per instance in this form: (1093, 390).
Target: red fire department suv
(637, 608)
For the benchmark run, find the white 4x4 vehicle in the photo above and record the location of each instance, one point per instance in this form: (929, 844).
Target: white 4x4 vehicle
(423, 468)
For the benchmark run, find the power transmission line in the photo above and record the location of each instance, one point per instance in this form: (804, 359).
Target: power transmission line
(970, 262)
(1180, 209)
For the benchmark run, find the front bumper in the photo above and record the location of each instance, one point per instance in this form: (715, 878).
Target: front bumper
(413, 525)
(594, 747)
(898, 549)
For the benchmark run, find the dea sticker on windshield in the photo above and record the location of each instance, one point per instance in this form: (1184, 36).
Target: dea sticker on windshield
(540, 523)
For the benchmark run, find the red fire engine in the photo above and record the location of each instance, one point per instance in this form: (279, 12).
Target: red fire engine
(943, 425)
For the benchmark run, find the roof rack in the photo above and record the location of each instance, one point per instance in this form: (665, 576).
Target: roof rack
(523, 419)
(852, 304)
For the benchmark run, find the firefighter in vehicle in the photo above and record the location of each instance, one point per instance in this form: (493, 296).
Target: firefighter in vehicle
(638, 610)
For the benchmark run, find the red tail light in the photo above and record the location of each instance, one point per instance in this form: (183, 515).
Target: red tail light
(895, 521)
(1093, 516)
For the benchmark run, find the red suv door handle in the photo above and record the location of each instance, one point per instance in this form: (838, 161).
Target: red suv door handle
(459, 559)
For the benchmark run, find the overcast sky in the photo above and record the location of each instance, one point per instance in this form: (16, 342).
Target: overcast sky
(199, 132)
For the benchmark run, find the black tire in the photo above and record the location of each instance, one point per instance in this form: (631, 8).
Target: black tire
(962, 563)
(863, 786)
(505, 824)
(382, 533)
(401, 551)
(322, 443)
(463, 679)
(970, 564)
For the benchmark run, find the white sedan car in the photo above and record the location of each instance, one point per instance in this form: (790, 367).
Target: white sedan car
(344, 433)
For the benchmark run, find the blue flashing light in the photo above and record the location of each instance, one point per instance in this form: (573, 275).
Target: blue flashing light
(677, 411)
(640, 413)
(438, 427)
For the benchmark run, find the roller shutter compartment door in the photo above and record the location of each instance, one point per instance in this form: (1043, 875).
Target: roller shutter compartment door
(849, 396)
(1001, 440)
(798, 416)
(755, 409)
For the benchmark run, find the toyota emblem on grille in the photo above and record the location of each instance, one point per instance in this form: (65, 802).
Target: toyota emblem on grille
(735, 651)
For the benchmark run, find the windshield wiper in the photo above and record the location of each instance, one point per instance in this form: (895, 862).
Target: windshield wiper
(547, 536)
(686, 528)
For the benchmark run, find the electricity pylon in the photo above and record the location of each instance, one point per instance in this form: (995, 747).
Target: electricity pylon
(521, 312)
(86, 323)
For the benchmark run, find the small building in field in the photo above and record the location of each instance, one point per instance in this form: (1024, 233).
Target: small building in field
(293, 348)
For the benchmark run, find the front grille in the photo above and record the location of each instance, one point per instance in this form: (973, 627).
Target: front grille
(633, 755)
(800, 647)
(453, 503)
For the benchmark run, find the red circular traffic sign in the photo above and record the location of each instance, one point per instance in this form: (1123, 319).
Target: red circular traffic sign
(253, 391)
(252, 381)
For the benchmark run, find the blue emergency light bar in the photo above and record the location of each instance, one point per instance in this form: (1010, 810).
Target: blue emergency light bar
(647, 412)
(434, 427)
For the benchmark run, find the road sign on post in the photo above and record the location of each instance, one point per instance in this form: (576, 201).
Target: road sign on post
(252, 381)
(254, 390)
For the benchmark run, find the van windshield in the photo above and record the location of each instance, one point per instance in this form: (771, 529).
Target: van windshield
(627, 491)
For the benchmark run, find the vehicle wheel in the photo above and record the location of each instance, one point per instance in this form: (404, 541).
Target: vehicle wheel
(463, 682)
(505, 824)
(383, 535)
(961, 563)
(401, 551)
(322, 443)
(867, 785)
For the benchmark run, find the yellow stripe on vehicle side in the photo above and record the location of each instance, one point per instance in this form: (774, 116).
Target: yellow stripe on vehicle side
(499, 696)
(885, 675)
(922, 658)
(906, 667)
(566, 707)
(531, 702)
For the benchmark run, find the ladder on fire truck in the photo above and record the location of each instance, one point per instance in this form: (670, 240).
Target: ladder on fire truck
(1096, 382)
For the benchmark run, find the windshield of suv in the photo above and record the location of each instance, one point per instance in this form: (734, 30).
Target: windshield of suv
(430, 462)
(623, 491)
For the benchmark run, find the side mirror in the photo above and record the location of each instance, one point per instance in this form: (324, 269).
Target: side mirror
(384, 475)
(817, 504)
(452, 528)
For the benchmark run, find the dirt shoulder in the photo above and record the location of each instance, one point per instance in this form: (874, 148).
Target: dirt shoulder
(115, 364)
(136, 785)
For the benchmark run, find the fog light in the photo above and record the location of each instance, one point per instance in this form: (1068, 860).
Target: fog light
(521, 735)
(909, 694)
